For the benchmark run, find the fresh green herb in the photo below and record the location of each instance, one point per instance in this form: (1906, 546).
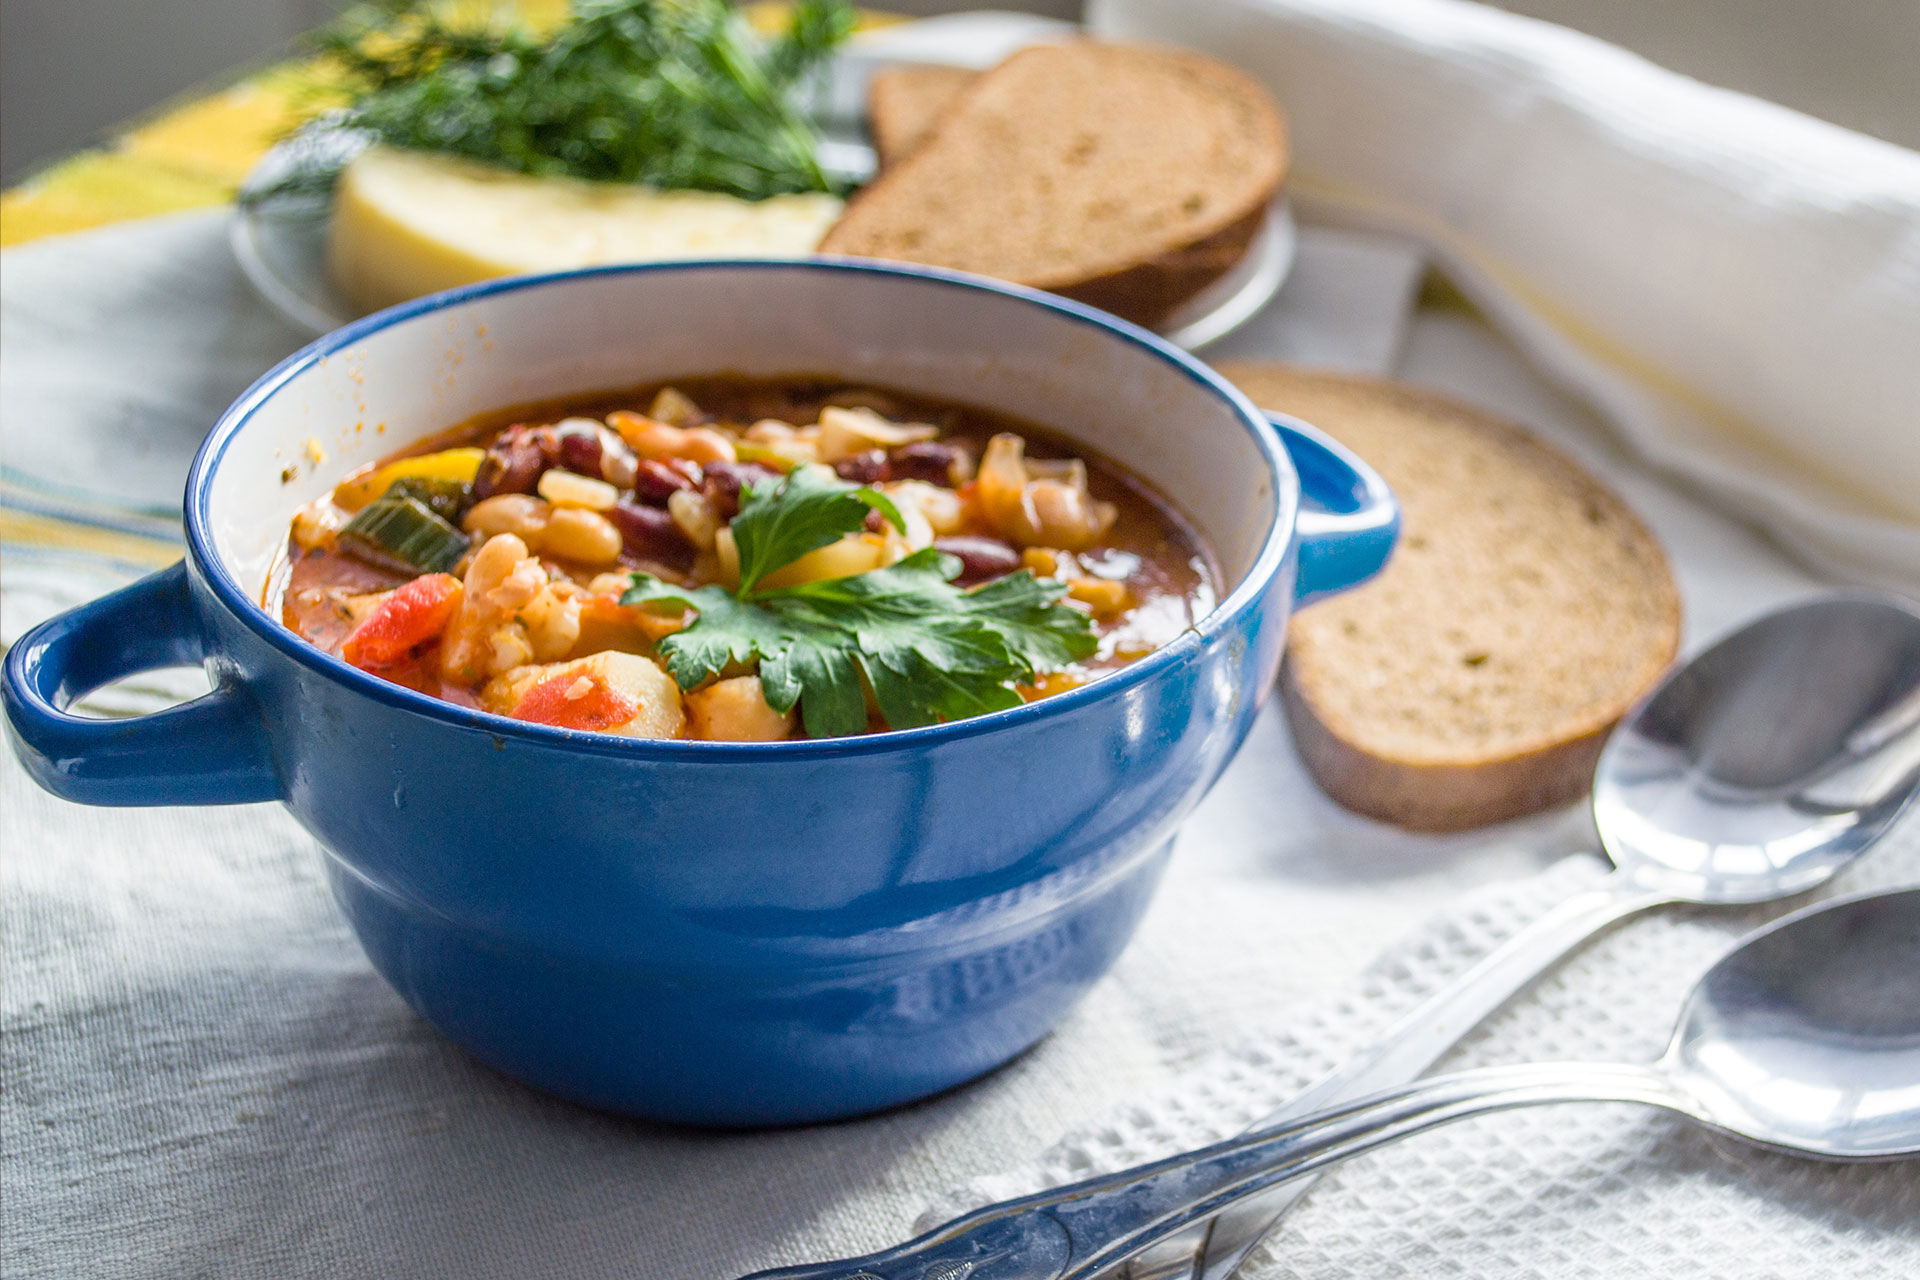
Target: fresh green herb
(803, 512)
(928, 650)
(673, 94)
(403, 532)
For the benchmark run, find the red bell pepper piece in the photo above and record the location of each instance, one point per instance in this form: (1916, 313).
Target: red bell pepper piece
(558, 702)
(414, 614)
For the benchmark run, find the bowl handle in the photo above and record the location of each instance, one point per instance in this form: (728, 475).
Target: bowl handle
(212, 750)
(1348, 519)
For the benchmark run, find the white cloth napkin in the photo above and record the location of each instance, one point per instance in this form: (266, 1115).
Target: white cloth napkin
(1733, 285)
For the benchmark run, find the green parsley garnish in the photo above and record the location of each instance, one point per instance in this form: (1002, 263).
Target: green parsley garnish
(804, 512)
(929, 650)
(674, 94)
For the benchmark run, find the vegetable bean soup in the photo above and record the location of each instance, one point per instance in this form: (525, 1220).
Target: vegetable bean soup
(742, 559)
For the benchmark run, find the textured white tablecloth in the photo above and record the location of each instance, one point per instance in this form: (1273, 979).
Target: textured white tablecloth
(1598, 1191)
(202, 1077)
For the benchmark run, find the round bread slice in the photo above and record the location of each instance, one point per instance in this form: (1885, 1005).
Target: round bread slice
(905, 102)
(1523, 612)
(1124, 176)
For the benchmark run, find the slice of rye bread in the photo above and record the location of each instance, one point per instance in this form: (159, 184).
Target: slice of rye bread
(1523, 612)
(903, 103)
(1123, 176)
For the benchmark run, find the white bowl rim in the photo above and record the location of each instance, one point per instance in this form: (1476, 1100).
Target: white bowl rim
(1245, 596)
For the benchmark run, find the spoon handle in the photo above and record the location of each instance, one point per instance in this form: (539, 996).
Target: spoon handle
(1403, 1052)
(1076, 1232)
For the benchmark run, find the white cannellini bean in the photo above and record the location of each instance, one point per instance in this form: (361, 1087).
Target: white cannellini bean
(565, 489)
(520, 514)
(574, 533)
(695, 516)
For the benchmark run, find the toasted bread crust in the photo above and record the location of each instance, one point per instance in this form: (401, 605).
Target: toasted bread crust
(905, 102)
(1437, 797)
(1150, 292)
(915, 210)
(1527, 610)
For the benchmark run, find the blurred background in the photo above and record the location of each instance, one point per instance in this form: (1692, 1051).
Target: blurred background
(72, 69)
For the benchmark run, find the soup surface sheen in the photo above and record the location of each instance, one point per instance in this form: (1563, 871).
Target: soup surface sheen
(581, 563)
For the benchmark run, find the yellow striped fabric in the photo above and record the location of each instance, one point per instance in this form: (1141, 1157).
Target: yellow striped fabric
(190, 154)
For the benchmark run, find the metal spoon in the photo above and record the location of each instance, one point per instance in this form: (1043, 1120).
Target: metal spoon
(1754, 772)
(1805, 1038)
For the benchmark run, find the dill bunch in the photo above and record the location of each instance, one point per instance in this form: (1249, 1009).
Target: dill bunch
(674, 94)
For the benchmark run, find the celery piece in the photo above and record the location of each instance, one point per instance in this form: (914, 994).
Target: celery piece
(402, 532)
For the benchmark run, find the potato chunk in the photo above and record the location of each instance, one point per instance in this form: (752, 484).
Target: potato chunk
(607, 692)
(855, 553)
(735, 710)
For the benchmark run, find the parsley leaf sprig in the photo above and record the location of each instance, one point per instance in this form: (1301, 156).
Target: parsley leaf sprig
(928, 650)
(807, 510)
(674, 94)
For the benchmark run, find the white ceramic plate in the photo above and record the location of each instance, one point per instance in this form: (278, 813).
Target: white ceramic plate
(282, 251)
(281, 244)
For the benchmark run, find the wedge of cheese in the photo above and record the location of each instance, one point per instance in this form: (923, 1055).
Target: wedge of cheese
(407, 223)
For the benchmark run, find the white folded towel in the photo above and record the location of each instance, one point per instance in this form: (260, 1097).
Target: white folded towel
(1734, 286)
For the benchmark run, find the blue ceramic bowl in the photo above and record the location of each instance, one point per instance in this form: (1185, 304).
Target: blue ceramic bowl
(715, 933)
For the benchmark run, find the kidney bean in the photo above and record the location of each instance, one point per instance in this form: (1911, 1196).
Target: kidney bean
(654, 481)
(927, 460)
(725, 480)
(980, 558)
(649, 533)
(578, 451)
(514, 463)
(870, 467)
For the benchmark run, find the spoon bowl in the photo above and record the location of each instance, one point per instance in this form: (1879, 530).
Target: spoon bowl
(1769, 761)
(1806, 1037)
